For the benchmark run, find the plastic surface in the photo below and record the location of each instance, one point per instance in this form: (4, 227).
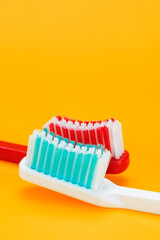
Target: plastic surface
(107, 195)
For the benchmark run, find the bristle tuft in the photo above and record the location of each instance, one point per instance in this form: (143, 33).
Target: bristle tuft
(75, 163)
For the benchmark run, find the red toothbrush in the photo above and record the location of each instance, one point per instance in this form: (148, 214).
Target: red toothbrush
(87, 134)
(107, 133)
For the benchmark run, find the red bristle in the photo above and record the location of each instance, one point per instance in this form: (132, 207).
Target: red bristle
(65, 132)
(93, 122)
(86, 122)
(85, 137)
(72, 134)
(79, 135)
(100, 135)
(72, 120)
(106, 137)
(80, 122)
(93, 137)
(106, 120)
(51, 127)
(66, 118)
(99, 121)
(112, 119)
(59, 117)
(58, 129)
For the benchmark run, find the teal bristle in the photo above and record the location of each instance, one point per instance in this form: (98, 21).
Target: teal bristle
(63, 164)
(98, 146)
(50, 151)
(36, 152)
(77, 168)
(102, 148)
(66, 140)
(59, 138)
(52, 134)
(72, 142)
(56, 159)
(45, 130)
(60, 158)
(88, 146)
(91, 172)
(84, 169)
(80, 144)
(43, 151)
(69, 169)
(94, 146)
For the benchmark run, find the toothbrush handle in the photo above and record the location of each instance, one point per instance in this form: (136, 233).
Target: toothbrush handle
(140, 200)
(12, 152)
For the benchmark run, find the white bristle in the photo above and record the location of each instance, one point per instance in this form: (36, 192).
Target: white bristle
(55, 141)
(109, 125)
(63, 121)
(102, 164)
(62, 144)
(120, 137)
(96, 125)
(30, 149)
(114, 129)
(69, 146)
(49, 137)
(77, 124)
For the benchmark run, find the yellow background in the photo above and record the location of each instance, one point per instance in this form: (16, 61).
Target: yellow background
(88, 60)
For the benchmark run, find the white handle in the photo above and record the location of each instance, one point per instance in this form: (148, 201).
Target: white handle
(135, 199)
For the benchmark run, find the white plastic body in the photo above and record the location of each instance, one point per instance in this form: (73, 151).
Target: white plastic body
(107, 195)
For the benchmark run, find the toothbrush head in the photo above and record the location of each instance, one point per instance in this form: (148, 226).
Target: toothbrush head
(50, 155)
(107, 133)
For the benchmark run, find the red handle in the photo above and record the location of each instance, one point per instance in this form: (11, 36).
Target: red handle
(15, 152)
(12, 152)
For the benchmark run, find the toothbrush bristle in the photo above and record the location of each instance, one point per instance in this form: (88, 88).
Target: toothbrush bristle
(107, 132)
(82, 165)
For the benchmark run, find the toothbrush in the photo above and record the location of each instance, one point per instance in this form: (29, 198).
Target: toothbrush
(107, 133)
(78, 171)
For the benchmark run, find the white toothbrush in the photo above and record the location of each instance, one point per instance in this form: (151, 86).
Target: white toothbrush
(100, 192)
